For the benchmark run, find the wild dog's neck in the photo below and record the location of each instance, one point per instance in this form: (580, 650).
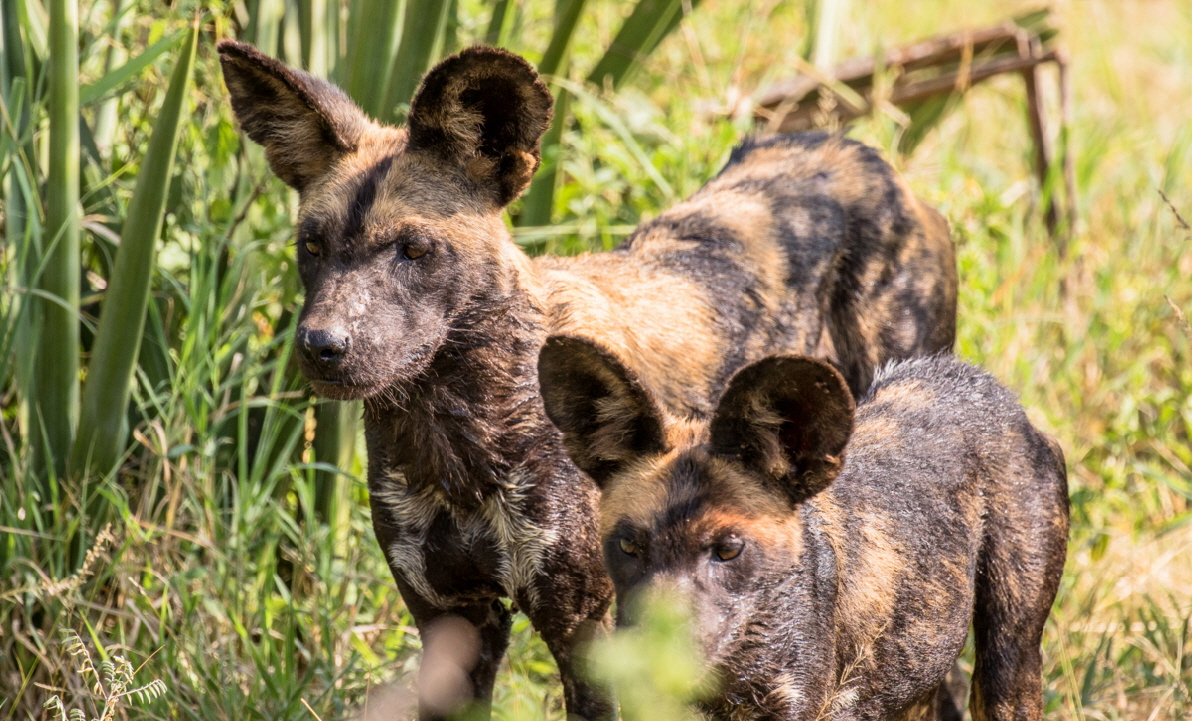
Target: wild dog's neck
(472, 418)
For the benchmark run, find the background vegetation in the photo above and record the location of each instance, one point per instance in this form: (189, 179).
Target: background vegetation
(215, 549)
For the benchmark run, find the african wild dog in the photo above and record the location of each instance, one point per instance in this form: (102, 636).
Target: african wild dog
(822, 587)
(418, 301)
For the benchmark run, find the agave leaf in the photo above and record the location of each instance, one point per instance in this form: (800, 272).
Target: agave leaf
(36, 22)
(566, 19)
(421, 42)
(372, 50)
(540, 199)
(501, 23)
(122, 321)
(644, 29)
(129, 70)
(55, 307)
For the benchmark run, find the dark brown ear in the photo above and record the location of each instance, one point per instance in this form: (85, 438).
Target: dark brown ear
(607, 417)
(304, 123)
(787, 418)
(485, 110)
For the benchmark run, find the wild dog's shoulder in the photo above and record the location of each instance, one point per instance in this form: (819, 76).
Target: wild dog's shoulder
(946, 408)
(939, 385)
(942, 370)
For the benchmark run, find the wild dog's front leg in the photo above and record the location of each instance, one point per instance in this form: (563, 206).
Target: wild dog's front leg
(573, 612)
(584, 698)
(462, 648)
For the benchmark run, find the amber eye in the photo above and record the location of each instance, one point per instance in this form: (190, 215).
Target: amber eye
(629, 547)
(312, 247)
(729, 549)
(413, 251)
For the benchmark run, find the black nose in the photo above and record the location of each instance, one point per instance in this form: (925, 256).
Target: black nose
(325, 346)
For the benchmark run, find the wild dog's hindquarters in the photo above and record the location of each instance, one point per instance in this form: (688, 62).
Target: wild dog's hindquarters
(1021, 564)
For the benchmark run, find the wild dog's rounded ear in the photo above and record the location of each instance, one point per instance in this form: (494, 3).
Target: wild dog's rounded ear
(304, 123)
(486, 110)
(606, 415)
(787, 418)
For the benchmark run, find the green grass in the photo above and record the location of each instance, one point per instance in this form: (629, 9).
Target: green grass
(221, 582)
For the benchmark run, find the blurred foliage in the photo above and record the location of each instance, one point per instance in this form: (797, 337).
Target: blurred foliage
(652, 664)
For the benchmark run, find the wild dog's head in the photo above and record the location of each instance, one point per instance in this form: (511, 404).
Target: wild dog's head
(399, 229)
(704, 510)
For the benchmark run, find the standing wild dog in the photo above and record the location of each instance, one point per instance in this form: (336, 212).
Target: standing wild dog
(418, 302)
(820, 587)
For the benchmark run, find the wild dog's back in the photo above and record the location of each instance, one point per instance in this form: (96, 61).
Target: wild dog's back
(806, 243)
(951, 506)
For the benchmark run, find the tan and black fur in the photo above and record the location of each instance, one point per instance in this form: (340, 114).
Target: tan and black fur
(834, 556)
(418, 301)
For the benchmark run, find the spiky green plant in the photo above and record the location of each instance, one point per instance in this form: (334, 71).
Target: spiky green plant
(102, 433)
(55, 306)
(111, 685)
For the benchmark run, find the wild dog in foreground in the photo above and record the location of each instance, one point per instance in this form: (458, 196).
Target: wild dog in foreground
(418, 301)
(826, 587)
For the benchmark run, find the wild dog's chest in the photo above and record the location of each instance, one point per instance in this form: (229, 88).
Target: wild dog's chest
(451, 555)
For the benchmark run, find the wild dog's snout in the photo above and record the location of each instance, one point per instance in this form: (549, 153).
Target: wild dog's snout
(324, 348)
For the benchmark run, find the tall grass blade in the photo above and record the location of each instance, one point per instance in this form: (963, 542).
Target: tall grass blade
(267, 25)
(422, 42)
(500, 23)
(316, 36)
(644, 29)
(372, 51)
(36, 24)
(540, 199)
(291, 35)
(450, 31)
(334, 444)
(114, 57)
(122, 322)
(21, 220)
(126, 72)
(825, 18)
(566, 19)
(55, 312)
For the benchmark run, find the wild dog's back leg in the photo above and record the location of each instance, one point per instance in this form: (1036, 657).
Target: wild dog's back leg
(944, 703)
(462, 649)
(1008, 625)
(950, 695)
(1018, 575)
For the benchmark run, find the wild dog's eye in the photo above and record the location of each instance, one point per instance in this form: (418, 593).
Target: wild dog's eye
(414, 251)
(729, 548)
(629, 547)
(312, 247)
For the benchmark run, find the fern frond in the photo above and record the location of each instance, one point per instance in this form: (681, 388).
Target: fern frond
(153, 690)
(77, 650)
(55, 704)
